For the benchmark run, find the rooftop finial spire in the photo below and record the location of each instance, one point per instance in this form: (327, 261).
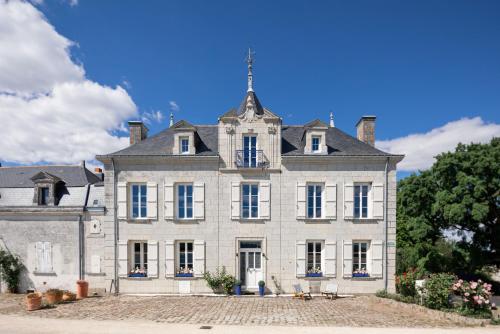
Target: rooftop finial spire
(249, 60)
(171, 119)
(332, 124)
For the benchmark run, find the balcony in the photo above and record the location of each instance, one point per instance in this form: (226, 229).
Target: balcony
(251, 159)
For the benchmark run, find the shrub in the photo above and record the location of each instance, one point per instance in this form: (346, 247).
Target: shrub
(220, 280)
(10, 269)
(475, 295)
(405, 283)
(437, 290)
(397, 297)
(262, 284)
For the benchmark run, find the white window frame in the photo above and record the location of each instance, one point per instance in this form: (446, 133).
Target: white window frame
(139, 203)
(250, 136)
(315, 204)
(186, 253)
(321, 253)
(368, 255)
(181, 145)
(368, 200)
(250, 200)
(177, 200)
(318, 149)
(143, 255)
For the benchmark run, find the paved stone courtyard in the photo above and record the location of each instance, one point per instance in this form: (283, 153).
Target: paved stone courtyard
(284, 311)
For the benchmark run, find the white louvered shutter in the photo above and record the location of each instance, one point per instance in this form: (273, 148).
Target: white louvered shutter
(301, 200)
(169, 258)
(153, 258)
(330, 258)
(347, 258)
(377, 252)
(47, 259)
(169, 200)
(348, 201)
(39, 256)
(152, 199)
(300, 256)
(199, 200)
(122, 258)
(378, 200)
(265, 200)
(235, 200)
(95, 264)
(331, 201)
(199, 258)
(122, 200)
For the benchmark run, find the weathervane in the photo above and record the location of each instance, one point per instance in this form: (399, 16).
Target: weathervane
(249, 59)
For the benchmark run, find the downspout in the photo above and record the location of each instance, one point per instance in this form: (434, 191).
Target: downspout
(81, 253)
(115, 226)
(386, 234)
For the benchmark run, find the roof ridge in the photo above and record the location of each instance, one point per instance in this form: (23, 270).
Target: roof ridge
(40, 166)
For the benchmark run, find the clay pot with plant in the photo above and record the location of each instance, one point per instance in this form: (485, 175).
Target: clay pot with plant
(33, 301)
(68, 296)
(53, 296)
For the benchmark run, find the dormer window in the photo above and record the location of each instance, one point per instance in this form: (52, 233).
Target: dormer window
(184, 145)
(43, 196)
(316, 142)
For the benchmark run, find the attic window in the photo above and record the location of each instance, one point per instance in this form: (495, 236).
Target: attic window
(316, 140)
(184, 145)
(43, 196)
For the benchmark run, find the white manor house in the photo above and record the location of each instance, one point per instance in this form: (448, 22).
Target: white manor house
(285, 204)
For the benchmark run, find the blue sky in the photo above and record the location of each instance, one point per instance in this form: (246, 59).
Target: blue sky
(416, 65)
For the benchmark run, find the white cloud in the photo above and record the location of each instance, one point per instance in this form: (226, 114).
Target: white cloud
(421, 148)
(49, 110)
(174, 107)
(149, 117)
(73, 3)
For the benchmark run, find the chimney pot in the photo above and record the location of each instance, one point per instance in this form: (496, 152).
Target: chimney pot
(98, 170)
(366, 129)
(138, 131)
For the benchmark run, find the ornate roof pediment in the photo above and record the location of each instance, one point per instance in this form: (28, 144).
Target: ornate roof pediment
(45, 177)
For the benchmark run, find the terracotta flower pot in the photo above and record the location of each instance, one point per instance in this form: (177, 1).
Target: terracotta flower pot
(82, 289)
(33, 301)
(68, 296)
(53, 296)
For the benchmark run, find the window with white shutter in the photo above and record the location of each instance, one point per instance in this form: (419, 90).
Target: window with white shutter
(265, 200)
(43, 251)
(330, 258)
(235, 200)
(377, 257)
(169, 258)
(95, 264)
(152, 259)
(169, 200)
(347, 258)
(378, 200)
(348, 200)
(300, 257)
(331, 201)
(122, 258)
(199, 200)
(301, 200)
(199, 258)
(152, 200)
(122, 200)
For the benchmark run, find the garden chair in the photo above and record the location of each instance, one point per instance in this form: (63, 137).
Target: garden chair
(299, 293)
(331, 291)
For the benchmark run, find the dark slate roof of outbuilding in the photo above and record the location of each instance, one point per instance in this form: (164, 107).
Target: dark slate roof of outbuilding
(338, 142)
(163, 142)
(20, 176)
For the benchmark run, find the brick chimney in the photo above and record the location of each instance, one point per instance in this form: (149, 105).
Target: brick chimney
(366, 129)
(138, 131)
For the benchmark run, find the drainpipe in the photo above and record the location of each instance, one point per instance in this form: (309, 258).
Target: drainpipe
(81, 247)
(115, 226)
(386, 192)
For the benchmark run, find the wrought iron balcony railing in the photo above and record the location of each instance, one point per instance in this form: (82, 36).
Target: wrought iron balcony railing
(251, 159)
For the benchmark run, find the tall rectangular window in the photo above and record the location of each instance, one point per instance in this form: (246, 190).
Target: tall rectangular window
(314, 257)
(314, 193)
(184, 258)
(140, 258)
(184, 201)
(359, 257)
(361, 200)
(250, 201)
(316, 141)
(250, 151)
(139, 201)
(184, 145)
(43, 196)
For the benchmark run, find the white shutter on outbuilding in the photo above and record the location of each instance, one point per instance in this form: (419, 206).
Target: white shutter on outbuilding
(330, 258)
(152, 199)
(331, 201)
(377, 252)
(95, 264)
(43, 251)
(301, 200)
(122, 258)
(347, 257)
(235, 200)
(169, 258)
(153, 258)
(300, 256)
(199, 200)
(265, 200)
(348, 201)
(199, 258)
(378, 200)
(121, 199)
(169, 200)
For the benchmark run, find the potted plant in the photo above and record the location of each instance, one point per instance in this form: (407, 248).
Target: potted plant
(82, 289)
(360, 273)
(33, 301)
(262, 287)
(53, 296)
(237, 288)
(314, 272)
(68, 296)
(184, 272)
(137, 272)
